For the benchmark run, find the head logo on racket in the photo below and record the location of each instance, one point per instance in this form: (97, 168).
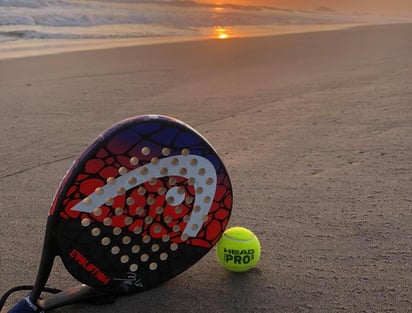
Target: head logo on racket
(198, 170)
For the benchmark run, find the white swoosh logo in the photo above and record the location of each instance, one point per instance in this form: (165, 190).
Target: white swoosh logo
(204, 184)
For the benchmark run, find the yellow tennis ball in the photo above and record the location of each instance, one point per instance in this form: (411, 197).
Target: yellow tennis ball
(238, 250)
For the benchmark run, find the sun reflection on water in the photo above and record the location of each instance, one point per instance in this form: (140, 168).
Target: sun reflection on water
(221, 32)
(218, 9)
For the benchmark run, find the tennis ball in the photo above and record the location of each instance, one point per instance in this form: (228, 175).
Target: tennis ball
(238, 250)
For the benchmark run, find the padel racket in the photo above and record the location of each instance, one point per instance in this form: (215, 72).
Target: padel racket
(145, 201)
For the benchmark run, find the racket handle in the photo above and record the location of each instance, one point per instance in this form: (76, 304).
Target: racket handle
(26, 306)
(81, 293)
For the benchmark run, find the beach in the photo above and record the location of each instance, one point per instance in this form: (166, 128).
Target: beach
(314, 128)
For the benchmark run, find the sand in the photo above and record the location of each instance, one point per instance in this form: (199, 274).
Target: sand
(315, 130)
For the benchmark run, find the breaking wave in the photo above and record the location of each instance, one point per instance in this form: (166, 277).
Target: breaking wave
(184, 14)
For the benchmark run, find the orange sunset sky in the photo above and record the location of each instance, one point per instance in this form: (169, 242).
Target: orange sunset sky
(381, 7)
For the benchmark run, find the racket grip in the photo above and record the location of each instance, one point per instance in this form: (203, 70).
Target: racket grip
(26, 306)
(81, 293)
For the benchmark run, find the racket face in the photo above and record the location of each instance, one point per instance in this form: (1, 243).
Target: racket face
(143, 203)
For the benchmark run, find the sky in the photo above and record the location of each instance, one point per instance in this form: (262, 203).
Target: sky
(381, 7)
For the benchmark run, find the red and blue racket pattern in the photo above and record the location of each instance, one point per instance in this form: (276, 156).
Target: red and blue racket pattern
(144, 202)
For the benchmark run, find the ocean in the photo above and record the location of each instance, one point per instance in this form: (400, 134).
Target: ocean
(30, 27)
